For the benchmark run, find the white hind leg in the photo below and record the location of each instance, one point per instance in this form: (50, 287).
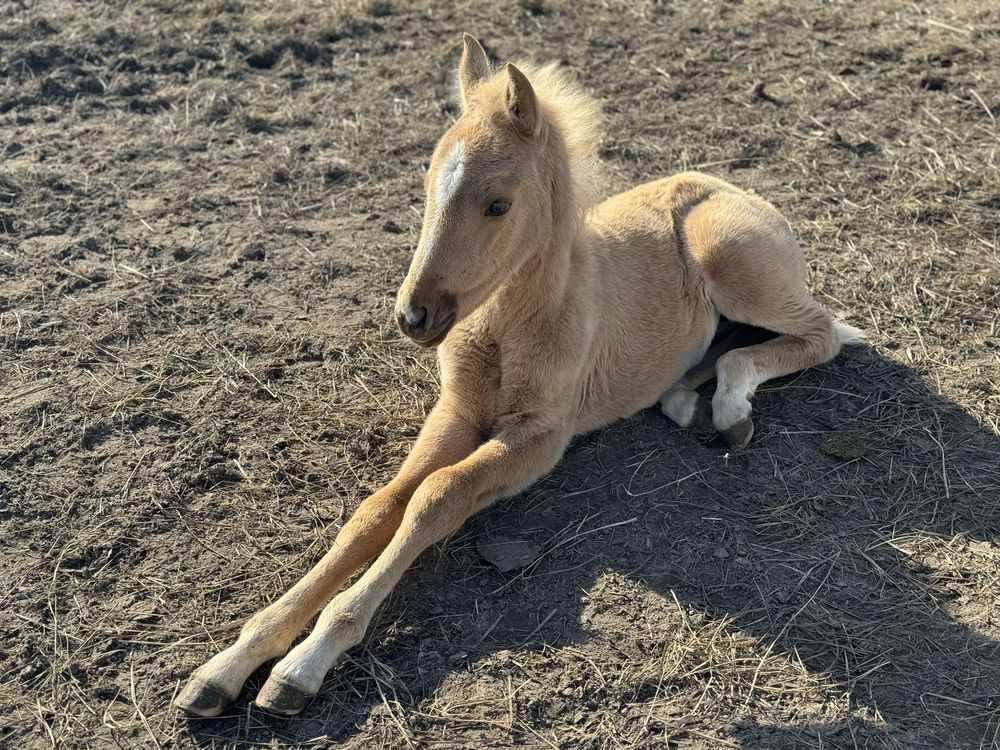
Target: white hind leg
(755, 273)
(810, 338)
(682, 403)
(679, 404)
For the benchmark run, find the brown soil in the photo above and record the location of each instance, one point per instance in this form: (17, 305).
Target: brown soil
(204, 214)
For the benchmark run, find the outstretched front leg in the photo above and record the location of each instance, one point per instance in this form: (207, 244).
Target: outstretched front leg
(446, 438)
(505, 464)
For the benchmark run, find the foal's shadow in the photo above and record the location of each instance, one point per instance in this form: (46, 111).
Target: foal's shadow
(806, 540)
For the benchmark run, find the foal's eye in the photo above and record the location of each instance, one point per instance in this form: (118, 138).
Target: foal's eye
(498, 208)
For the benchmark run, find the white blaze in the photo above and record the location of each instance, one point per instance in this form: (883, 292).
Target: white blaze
(450, 175)
(449, 179)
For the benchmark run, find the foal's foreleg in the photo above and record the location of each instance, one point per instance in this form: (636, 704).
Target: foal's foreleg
(441, 504)
(445, 439)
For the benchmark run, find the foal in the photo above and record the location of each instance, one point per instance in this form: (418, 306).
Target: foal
(552, 317)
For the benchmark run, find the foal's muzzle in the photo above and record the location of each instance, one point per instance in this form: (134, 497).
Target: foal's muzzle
(426, 322)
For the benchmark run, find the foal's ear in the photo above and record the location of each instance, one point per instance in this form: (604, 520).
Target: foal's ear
(474, 66)
(522, 106)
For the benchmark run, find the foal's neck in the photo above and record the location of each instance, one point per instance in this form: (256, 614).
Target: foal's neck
(538, 289)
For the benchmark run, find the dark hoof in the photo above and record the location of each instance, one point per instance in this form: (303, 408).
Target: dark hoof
(279, 697)
(739, 434)
(201, 699)
(701, 421)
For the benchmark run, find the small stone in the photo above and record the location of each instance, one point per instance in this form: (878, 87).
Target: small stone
(506, 553)
(252, 251)
(722, 553)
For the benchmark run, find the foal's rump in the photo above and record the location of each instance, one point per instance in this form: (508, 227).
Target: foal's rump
(740, 263)
(750, 267)
(736, 240)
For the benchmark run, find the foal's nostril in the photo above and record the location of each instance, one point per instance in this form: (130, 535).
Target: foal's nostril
(414, 317)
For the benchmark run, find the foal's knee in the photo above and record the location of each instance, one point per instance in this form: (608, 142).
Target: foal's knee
(438, 507)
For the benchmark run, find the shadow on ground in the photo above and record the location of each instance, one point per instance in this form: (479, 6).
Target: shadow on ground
(849, 550)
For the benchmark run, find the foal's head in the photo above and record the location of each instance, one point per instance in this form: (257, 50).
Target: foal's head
(492, 192)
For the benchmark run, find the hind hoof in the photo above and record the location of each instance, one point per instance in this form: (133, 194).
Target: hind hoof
(201, 699)
(279, 697)
(739, 434)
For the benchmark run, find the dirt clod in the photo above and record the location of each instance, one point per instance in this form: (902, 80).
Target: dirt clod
(847, 445)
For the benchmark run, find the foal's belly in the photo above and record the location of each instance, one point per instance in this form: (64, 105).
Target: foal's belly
(632, 375)
(654, 320)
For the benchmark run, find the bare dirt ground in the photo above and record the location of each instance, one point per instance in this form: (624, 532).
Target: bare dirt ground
(204, 214)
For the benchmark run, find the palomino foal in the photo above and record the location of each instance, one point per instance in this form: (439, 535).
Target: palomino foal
(552, 317)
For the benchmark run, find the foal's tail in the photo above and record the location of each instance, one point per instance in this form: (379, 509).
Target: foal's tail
(848, 334)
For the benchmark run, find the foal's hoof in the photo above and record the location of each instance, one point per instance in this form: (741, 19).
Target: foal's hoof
(201, 699)
(278, 697)
(739, 434)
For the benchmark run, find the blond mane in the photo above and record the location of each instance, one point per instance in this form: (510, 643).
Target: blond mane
(572, 113)
(577, 117)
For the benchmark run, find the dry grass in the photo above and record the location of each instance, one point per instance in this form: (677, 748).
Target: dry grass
(203, 218)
